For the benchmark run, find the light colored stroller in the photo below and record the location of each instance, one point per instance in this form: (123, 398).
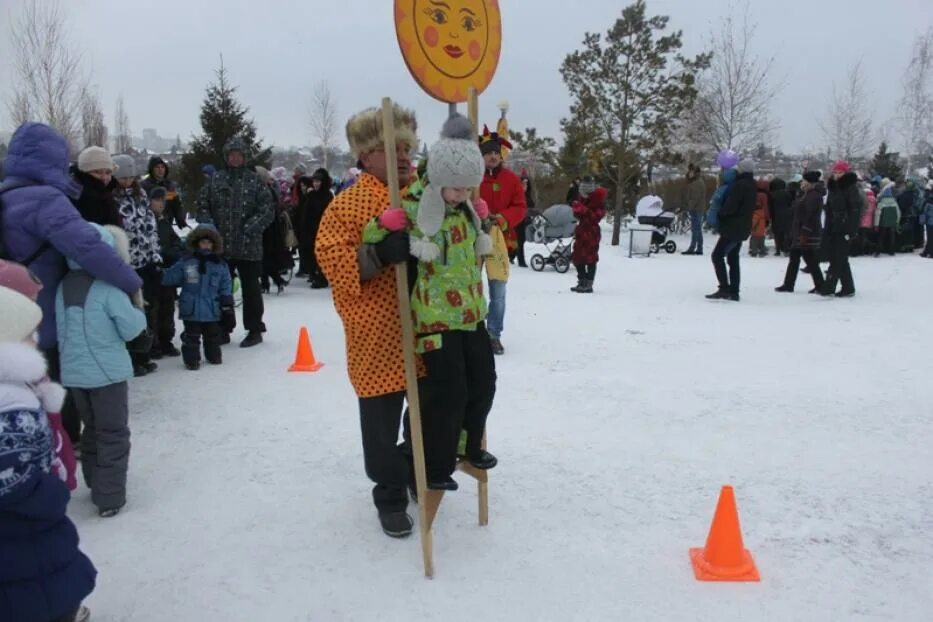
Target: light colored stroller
(650, 211)
(551, 228)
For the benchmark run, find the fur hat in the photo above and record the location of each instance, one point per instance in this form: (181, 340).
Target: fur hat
(812, 176)
(453, 162)
(747, 166)
(125, 166)
(21, 316)
(95, 159)
(237, 143)
(364, 129)
(206, 232)
(19, 278)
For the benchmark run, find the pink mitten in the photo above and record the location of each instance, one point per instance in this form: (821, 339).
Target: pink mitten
(393, 219)
(482, 209)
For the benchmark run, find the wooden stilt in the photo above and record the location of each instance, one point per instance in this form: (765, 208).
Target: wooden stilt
(408, 349)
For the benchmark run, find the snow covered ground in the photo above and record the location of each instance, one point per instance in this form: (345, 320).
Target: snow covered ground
(618, 417)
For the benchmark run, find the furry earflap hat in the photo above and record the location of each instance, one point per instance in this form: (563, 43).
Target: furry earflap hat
(364, 129)
(21, 316)
(454, 161)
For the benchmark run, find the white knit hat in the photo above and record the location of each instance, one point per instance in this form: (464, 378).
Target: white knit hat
(95, 159)
(21, 316)
(454, 161)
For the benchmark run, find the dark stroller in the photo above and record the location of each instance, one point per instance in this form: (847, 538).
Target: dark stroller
(550, 228)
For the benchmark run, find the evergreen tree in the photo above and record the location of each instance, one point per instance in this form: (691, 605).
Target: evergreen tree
(885, 163)
(628, 89)
(222, 118)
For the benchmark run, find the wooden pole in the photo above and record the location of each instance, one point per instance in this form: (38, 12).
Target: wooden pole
(482, 478)
(408, 351)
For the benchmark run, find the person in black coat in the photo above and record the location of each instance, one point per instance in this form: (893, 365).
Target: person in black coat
(521, 229)
(805, 233)
(158, 177)
(314, 202)
(94, 173)
(735, 225)
(843, 215)
(781, 215)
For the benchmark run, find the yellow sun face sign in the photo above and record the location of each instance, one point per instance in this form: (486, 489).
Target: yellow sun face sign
(450, 45)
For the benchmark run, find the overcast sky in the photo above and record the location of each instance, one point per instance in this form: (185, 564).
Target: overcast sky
(160, 55)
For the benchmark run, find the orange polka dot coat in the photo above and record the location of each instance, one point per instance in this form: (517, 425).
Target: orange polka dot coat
(369, 310)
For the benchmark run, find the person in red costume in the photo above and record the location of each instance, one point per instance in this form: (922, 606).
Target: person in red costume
(501, 188)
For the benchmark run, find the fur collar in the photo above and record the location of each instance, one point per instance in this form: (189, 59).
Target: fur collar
(843, 183)
(24, 381)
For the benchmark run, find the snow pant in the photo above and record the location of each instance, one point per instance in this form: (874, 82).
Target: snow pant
(151, 277)
(495, 320)
(886, 240)
(520, 235)
(839, 269)
(727, 250)
(165, 316)
(929, 247)
(71, 616)
(586, 271)
(918, 232)
(696, 232)
(387, 464)
(250, 273)
(191, 342)
(275, 275)
(756, 247)
(456, 394)
(105, 444)
(793, 267)
(71, 420)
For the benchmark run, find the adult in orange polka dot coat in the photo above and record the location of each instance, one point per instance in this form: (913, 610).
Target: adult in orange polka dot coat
(362, 279)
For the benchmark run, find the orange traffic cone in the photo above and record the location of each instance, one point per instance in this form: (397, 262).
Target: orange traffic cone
(304, 358)
(724, 558)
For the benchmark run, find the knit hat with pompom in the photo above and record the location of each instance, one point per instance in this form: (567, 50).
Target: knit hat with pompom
(454, 161)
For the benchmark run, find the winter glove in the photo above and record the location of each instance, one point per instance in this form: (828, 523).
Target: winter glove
(482, 209)
(227, 314)
(393, 219)
(393, 249)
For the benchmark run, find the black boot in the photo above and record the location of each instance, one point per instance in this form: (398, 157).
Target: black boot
(720, 294)
(483, 460)
(396, 524)
(587, 287)
(580, 281)
(252, 338)
(443, 483)
(784, 288)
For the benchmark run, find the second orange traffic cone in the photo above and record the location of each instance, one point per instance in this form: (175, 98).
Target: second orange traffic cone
(304, 358)
(724, 558)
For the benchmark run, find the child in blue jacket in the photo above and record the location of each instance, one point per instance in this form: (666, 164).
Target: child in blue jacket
(95, 320)
(206, 301)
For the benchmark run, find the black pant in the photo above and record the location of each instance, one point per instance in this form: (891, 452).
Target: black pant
(793, 267)
(68, 617)
(387, 464)
(250, 273)
(886, 239)
(191, 342)
(727, 250)
(520, 235)
(782, 242)
(839, 269)
(456, 394)
(165, 316)
(271, 274)
(71, 419)
(929, 247)
(586, 271)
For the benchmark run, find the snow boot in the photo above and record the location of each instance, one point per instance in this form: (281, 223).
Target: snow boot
(720, 294)
(483, 460)
(170, 350)
(252, 338)
(443, 483)
(194, 366)
(784, 288)
(587, 287)
(396, 524)
(497, 347)
(580, 282)
(110, 512)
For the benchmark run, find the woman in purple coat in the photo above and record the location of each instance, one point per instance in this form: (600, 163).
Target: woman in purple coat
(41, 227)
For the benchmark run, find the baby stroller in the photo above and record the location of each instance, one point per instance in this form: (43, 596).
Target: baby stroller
(650, 211)
(550, 228)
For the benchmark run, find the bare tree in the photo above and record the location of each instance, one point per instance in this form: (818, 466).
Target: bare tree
(847, 126)
(48, 72)
(92, 119)
(122, 138)
(733, 110)
(322, 115)
(915, 109)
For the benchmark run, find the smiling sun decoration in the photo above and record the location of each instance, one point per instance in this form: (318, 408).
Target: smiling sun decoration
(450, 45)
